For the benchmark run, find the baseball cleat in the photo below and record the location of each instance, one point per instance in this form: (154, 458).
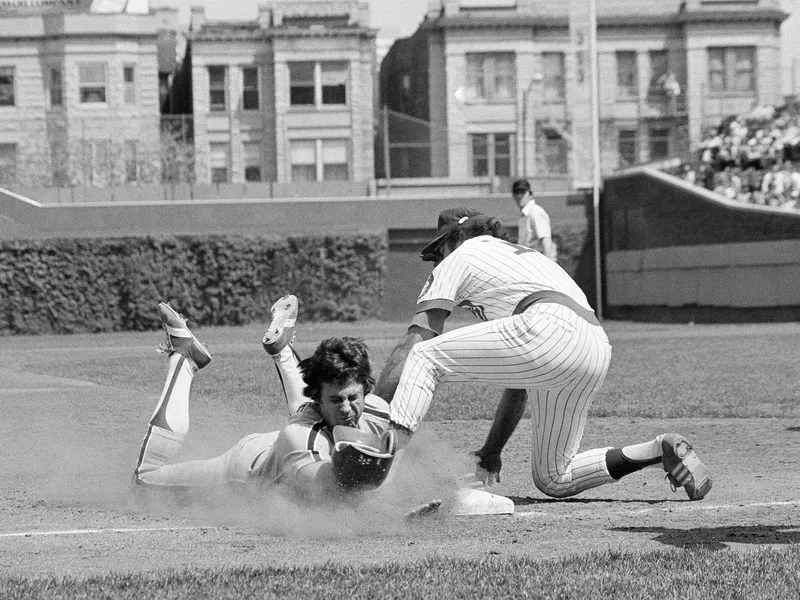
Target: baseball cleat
(280, 332)
(683, 467)
(180, 339)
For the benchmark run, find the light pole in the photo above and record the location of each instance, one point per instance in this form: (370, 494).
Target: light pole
(535, 78)
(596, 178)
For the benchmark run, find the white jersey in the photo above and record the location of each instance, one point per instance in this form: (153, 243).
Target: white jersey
(490, 277)
(534, 224)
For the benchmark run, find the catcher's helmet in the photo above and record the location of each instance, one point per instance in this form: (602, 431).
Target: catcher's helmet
(361, 460)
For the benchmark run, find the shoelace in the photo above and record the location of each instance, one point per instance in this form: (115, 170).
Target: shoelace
(673, 483)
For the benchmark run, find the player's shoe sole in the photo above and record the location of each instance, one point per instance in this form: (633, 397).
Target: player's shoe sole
(280, 331)
(684, 469)
(180, 339)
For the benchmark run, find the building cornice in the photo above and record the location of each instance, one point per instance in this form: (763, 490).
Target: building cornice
(730, 16)
(16, 37)
(226, 35)
(255, 32)
(302, 32)
(517, 20)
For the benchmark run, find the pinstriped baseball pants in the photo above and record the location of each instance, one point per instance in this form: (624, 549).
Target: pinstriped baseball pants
(557, 356)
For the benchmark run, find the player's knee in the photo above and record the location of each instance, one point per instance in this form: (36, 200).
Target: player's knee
(554, 485)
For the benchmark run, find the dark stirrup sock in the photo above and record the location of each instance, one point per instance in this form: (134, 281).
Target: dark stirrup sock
(619, 465)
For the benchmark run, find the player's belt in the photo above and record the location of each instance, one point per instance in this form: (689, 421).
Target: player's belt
(556, 298)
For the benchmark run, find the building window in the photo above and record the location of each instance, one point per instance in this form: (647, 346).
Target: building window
(301, 83)
(96, 162)
(659, 66)
(320, 160)
(491, 154)
(6, 86)
(129, 84)
(56, 87)
(627, 74)
(554, 151)
(318, 83)
(627, 148)
(252, 161)
(731, 69)
(333, 76)
(59, 160)
(659, 143)
(490, 76)
(553, 84)
(335, 164)
(8, 164)
(92, 83)
(217, 88)
(131, 161)
(219, 160)
(304, 160)
(250, 89)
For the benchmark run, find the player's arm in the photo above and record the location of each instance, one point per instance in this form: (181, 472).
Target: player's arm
(547, 246)
(507, 416)
(318, 482)
(424, 326)
(307, 471)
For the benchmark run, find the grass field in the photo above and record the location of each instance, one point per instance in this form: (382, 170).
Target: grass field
(75, 409)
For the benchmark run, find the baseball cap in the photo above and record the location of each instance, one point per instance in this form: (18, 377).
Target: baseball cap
(449, 219)
(521, 185)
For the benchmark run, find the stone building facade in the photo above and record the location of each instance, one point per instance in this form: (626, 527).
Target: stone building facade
(79, 91)
(288, 97)
(497, 82)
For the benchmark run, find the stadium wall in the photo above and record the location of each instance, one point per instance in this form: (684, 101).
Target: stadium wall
(408, 222)
(676, 252)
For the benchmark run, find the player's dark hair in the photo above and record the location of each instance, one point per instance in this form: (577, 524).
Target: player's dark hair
(337, 360)
(475, 226)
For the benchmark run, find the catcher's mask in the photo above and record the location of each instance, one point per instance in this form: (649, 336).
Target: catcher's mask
(361, 460)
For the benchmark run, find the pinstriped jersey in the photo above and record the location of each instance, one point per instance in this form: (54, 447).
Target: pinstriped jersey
(490, 277)
(306, 439)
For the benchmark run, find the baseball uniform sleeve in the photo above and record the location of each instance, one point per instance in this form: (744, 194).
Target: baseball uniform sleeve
(298, 445)
(541, 222)
(444, 285)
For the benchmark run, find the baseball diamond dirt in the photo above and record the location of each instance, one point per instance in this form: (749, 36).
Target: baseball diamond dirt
(69, 443)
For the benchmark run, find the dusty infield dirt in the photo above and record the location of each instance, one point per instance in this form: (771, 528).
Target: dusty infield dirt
(66, 507)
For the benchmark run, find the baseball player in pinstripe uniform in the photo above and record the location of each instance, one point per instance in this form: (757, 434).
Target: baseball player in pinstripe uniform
(540, 339)
(327, 394)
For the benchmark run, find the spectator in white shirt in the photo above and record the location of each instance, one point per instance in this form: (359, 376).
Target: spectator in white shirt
(534, 222)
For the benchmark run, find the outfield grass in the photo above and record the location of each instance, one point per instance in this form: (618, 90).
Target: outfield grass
(702, 574)
(694, 372)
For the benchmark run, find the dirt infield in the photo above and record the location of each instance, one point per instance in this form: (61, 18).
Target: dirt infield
(66, 506)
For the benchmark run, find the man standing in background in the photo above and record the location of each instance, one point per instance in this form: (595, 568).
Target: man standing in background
(534, 222)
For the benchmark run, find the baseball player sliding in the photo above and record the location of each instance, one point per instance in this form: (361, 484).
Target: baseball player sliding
(337, 440)
(540, 339)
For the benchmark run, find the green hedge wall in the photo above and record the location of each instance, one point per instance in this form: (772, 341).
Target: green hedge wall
(94, 285)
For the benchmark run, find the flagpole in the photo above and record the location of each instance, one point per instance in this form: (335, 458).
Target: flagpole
(596, 179)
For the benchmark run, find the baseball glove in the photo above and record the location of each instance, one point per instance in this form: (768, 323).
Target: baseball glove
(361, 460)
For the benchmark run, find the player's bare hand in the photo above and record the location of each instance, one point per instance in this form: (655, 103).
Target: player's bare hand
(487, 466)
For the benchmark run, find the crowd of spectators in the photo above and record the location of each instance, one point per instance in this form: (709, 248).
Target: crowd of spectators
(753, 158)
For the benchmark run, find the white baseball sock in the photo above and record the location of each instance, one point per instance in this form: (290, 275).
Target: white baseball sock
(172, 410)
(645, 452)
